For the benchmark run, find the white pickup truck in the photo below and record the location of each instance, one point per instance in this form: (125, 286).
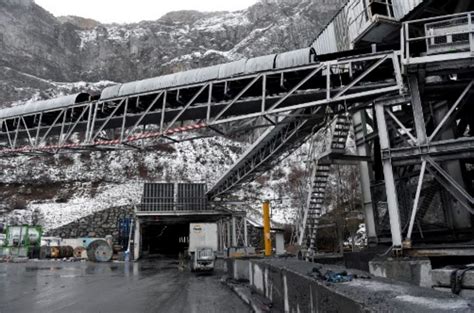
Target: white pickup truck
(203, 246)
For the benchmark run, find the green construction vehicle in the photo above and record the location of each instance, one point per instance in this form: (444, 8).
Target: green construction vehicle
(21, 241)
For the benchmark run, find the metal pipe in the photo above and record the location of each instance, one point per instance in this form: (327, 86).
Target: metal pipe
(266, 228)
(358, 121)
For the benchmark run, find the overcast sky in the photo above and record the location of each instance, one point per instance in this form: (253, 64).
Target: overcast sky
(129, 11)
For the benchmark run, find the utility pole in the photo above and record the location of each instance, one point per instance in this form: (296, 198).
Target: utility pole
(266, 228)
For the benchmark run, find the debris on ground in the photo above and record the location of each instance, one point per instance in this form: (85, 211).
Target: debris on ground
(332, 276)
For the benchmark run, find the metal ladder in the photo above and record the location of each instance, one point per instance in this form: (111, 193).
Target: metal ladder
(308, 217)
(340, 131)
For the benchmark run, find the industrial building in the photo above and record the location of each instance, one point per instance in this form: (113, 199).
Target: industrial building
(397, 73)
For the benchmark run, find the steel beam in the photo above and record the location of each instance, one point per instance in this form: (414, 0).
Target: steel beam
(417, 105)
(390, 187)
(360, 131)
(417, 199)
(450, 149)
(443, 123)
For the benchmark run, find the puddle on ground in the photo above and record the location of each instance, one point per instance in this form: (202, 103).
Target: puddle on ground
(68, 276)
(168, 268)
(34, 269)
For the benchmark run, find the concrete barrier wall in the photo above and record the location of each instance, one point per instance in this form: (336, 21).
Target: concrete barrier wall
(288, 291)
(292, 292)
(291, 287)
(238, 269)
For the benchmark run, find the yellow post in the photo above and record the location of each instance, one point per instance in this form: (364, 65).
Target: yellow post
(266, 228)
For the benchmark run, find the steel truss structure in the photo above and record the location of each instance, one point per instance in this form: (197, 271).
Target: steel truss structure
(423, 132)
(118, 123)
(410, 112)
(293, 130)
(425, 145)
(427, 153)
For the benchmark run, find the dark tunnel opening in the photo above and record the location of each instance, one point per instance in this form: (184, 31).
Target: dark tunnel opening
(164, 239)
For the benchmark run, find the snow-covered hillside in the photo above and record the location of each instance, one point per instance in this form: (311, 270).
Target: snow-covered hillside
(95, 181)
(45, 57)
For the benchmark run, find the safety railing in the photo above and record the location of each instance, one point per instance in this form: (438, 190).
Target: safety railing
(433, 38)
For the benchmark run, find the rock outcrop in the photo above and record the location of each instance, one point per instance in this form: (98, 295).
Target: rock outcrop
(37, 48)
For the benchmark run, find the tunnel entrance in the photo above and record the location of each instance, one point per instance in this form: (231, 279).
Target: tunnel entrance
(164, 239)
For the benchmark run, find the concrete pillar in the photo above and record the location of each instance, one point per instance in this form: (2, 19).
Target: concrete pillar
(137, 241)
(234, 232)
(460, 216)
(219, 236)
(390, 187)
(360, 130)
(279, 243)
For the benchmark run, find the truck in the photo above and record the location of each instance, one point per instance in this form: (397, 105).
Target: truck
(203, 246)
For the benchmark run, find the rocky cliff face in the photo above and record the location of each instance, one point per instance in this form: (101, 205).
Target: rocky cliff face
(37, 48)
(42, 56)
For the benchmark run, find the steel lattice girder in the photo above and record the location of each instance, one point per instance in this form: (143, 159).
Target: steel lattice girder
(268, 149)
(222, 101)
(451, 149)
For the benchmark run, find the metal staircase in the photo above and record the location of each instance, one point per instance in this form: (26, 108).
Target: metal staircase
(319, 166)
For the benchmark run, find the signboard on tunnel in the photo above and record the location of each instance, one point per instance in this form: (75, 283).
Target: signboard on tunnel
(171, 197)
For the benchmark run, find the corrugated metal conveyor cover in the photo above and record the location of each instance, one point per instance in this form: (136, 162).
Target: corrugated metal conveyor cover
(195, 76)
(198, 75)
(44, 105)
(162, 82)
(326, 41)
(140, 86)
(402, 7)
(147, 85)
(231, 69)
(110, 92)
(260, 64)
(128, 88)
(157, 83)
(294, 58)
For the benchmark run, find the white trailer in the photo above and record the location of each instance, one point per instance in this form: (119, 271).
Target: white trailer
(203, 245)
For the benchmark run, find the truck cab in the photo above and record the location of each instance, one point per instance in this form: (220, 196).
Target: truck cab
(203, 259)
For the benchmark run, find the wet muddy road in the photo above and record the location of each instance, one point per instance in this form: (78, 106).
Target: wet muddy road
(147, 286)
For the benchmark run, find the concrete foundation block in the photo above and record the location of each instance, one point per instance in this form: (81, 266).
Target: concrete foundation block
(241, 270)
(413, 271)
(442, 277)
(465, 293)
